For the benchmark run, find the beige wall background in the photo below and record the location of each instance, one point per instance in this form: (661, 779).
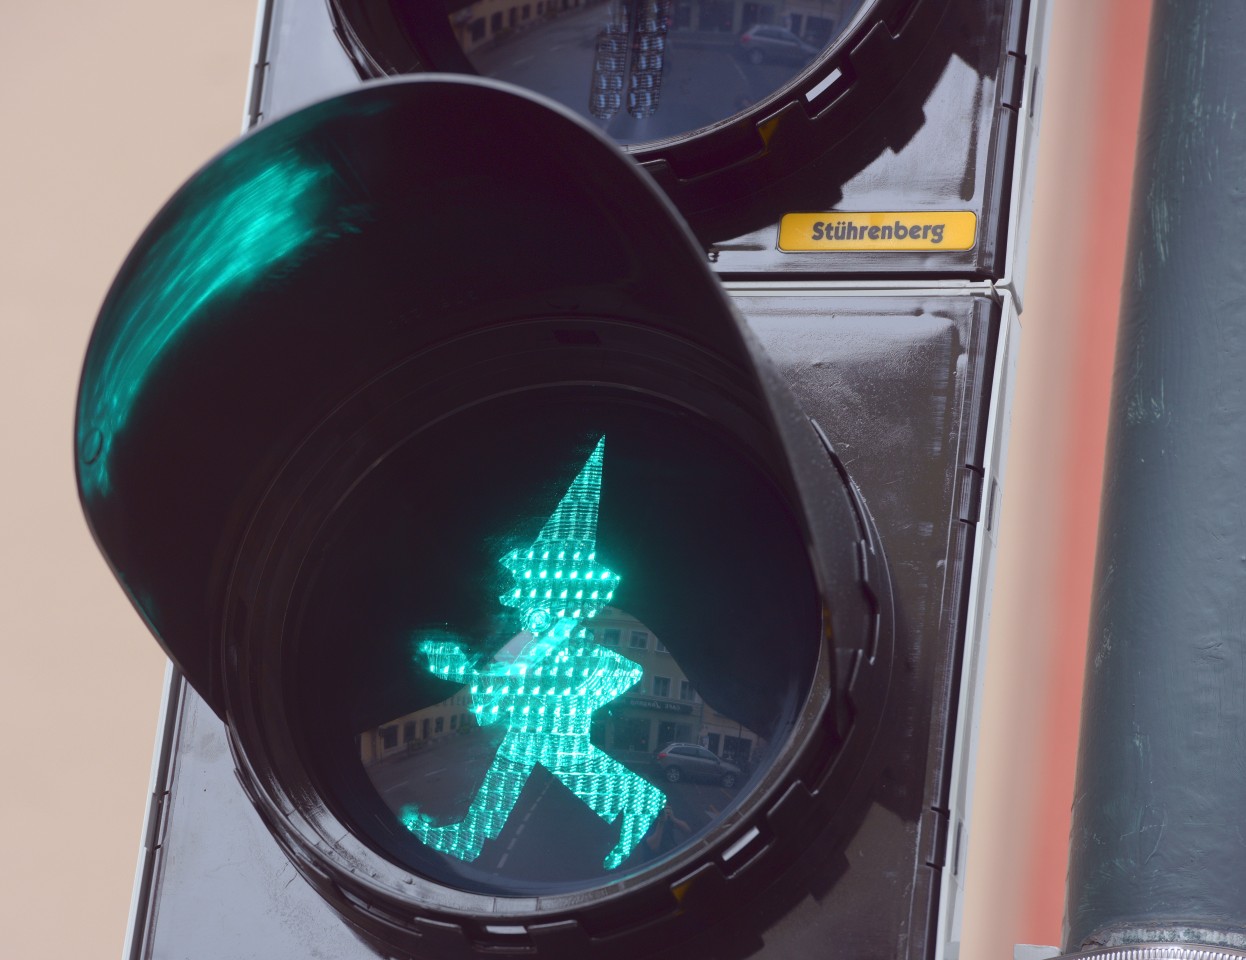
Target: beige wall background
(106, 107)
(1018, 848)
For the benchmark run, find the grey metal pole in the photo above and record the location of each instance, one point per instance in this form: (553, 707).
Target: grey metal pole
(1158, 847)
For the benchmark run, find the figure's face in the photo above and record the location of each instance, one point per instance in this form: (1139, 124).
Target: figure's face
(538, 619)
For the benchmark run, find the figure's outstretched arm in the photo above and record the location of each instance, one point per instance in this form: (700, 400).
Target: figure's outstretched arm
(445, 658)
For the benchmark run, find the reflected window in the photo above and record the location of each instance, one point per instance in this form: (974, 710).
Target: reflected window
(609, 637)
(819, 29)
(757, 13)
(685, 691)
(737, 749)
(716, 15)
(639, 640)
(661, 686)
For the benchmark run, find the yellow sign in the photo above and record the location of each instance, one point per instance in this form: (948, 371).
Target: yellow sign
(916, 230)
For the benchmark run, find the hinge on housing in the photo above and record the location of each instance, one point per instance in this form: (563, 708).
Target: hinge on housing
(1012, 76)
(969, 497)
(934, 838)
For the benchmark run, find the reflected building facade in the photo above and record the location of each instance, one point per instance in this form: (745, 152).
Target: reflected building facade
(416, 730)
(815, 21)
(485, 23)
(493, 21)
(664, 707)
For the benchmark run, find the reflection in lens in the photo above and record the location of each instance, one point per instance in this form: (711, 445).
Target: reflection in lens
(656, 753)
(648, 70)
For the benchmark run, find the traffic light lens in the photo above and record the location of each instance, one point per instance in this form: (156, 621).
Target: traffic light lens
(575, 673)
(649, 70)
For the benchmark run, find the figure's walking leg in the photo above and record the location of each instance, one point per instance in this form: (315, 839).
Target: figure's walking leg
(484, 819)
(610, 789)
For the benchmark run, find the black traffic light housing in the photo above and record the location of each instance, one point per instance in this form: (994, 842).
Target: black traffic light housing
(404, 305)
(443, 269)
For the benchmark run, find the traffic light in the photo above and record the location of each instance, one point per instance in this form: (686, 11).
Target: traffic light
(536, 594)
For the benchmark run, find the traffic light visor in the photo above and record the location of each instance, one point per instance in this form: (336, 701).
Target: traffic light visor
(445, 471)
(367, 232)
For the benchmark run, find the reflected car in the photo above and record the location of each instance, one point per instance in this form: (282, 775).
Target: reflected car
(767, 44)
(690, 761)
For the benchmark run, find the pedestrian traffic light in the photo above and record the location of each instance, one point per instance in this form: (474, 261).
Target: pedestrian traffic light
(535, 594)
(365, 429)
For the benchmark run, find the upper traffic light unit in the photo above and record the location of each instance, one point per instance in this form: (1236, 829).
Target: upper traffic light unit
(760, 117)
(750, 115)
(555, 600)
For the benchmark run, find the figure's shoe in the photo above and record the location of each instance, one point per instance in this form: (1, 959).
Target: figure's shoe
(635, 825)
(622, 850)
(454, 839)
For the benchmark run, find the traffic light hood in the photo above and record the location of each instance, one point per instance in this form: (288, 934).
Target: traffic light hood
(433, 239)
(355, 366)
(378, 360)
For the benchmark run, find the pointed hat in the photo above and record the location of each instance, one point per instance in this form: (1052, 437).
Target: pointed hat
(558, 576)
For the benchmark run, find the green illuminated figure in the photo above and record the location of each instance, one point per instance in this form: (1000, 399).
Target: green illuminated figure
(545, 685)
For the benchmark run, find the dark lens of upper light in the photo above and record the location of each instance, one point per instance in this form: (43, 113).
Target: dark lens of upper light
(647, 70)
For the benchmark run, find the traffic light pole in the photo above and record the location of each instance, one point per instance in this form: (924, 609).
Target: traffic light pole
(1158, 848)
